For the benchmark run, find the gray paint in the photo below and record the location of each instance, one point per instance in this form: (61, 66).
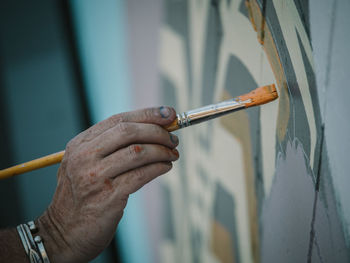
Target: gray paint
(213, 39)
(243, 9)
(196, 243)
(329, 244)
(287, 212)
(330, 33)
(168, 225)
(313, 91)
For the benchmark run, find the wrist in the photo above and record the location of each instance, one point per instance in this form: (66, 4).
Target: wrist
(56, 247)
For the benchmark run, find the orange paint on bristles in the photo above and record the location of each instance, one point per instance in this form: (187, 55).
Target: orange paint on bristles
(260, 95)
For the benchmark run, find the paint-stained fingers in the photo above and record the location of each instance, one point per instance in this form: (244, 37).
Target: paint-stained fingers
(133, 180)
(158, 115)
(126, 133)
(135, 156)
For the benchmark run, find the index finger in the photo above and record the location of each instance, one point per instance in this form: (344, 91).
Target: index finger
(158, 115)
(161, 115)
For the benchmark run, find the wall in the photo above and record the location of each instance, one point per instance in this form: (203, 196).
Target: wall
(267, 184)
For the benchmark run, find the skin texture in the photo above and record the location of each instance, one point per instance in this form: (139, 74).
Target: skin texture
(102, 166)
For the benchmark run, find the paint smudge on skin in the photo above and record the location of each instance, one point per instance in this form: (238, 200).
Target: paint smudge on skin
(174, 139)
(176, 153)
(164, 112)
(137, 148)
(92, 178)
(108, 184)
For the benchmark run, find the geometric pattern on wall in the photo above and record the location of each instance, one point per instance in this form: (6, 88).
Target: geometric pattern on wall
(247, 186)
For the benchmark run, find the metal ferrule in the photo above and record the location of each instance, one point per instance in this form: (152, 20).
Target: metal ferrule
(210, 112)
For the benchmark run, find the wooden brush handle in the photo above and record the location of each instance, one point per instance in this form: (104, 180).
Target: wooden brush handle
(32, 165)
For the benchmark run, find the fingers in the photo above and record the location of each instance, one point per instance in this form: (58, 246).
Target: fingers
(135, 156)
(126, 133)
(133, 180)
(160, 115)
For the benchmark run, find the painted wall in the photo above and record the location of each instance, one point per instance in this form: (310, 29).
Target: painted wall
(267, 184)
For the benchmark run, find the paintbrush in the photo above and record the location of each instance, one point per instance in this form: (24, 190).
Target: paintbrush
(256, 97)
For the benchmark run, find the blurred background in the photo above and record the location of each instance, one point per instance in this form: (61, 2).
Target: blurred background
(65, 65)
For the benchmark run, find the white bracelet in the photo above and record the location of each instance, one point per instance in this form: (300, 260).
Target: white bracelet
(34, 247)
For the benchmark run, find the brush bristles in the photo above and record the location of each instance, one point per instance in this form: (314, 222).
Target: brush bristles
(260, 95)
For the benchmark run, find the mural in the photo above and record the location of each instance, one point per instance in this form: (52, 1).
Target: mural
(251, 186)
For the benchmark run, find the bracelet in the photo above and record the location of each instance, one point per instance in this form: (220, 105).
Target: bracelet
(33, 247)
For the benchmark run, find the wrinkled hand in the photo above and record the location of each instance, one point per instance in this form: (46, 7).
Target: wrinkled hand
(102, 166)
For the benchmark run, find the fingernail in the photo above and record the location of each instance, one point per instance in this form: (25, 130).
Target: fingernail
(176, 153)
(174, 139)
(169, 163)
(164, 112)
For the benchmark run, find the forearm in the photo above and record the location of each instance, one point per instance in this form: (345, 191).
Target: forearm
(11, 248)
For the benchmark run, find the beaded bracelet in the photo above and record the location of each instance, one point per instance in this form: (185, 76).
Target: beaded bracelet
(34, 247)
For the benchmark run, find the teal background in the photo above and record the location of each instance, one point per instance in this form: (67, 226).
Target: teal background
(102, 42)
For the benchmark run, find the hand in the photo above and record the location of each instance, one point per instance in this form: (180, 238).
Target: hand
(102, 166)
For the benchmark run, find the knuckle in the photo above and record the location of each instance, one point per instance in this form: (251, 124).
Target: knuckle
(115, 119)
(88, 135)
(135, 151)
(139, 173)
(70, 145)
(84, 136)
(123, 128)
